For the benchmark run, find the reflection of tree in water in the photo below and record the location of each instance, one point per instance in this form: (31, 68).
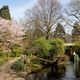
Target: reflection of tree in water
(49, 72)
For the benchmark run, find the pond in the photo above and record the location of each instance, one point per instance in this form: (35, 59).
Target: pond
(46, 74)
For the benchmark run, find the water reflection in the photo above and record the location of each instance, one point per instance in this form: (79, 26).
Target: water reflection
(41, 77)
(46, 74)
(69, 74)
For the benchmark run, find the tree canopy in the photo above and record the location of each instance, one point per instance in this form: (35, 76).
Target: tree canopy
(4, 13)
(59, 32)
(75, 32)
(43, 15)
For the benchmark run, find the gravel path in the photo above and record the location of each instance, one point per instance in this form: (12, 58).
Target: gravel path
(6, 73)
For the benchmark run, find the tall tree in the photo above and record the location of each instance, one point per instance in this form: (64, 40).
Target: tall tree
(75, 33)
(37, 33)
(59, 32)
(5, 35)
(72, 14)
(4, 13)
(44, 15)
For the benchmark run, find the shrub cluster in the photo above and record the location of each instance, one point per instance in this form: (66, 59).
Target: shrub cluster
(18, 66)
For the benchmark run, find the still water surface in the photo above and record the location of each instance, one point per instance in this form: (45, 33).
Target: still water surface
(69, 75)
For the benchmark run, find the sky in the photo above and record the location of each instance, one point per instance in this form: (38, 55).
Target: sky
(18, 7)
(64, 2)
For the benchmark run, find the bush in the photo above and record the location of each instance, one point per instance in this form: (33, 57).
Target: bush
(4, 56)
(12, 55)
(57, 46)
(42, 47)
(16, 50)
(1, 55)
(18, 66)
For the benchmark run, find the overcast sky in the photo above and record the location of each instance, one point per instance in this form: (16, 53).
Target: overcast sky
(18, 7)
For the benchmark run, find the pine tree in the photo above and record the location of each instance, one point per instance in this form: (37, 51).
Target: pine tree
(75, 32)
(4, 13)
(59, 32)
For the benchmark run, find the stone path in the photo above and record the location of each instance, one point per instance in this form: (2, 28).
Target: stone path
(6, 73)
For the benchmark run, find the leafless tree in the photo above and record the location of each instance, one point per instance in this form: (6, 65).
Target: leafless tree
(43, 15)
(72, 13)
(74, 9)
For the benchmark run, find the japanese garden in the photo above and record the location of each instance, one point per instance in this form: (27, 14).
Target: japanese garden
(42, 45)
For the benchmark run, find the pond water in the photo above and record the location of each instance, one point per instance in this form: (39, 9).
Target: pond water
(68, 75)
